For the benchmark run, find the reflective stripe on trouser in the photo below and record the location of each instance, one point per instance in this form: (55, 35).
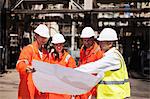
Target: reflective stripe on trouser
(114, 82)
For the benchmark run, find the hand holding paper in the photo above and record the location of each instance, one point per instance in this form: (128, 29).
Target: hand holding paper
(54, 78)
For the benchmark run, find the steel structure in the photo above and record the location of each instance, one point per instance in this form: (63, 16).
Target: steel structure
(128, 17)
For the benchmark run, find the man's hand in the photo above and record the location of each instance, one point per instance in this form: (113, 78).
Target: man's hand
(30, 69)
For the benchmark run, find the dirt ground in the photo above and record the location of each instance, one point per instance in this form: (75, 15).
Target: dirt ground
(140, 88)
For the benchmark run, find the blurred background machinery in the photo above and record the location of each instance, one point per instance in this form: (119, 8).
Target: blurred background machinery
(130, 18)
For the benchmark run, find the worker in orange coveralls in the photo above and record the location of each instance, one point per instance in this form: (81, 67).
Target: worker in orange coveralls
(89, 52)
(32, 51)
(60, 56)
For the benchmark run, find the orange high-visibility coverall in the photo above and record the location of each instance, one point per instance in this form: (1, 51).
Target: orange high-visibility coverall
(68, 61)
(89, 55)
(27, 89)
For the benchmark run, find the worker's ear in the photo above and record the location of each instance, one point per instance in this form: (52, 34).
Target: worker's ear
(35, 36)
(110, 44)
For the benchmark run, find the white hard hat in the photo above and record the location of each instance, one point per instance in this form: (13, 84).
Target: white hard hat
(107, 34)
(87, 32)
(42, 30)
(58, 38)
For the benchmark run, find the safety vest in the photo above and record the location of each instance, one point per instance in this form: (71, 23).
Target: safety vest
(115, 84)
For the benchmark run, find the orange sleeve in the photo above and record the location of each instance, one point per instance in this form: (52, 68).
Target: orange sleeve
(72, 62)
(99, 54)
(24, 59)
(80, 58)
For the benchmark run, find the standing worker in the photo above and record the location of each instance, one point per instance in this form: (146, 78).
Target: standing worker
(89, 52)
(32, 51)
(115, 84)
(60, 56)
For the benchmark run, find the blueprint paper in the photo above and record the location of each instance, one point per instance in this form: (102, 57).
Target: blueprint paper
(54, 78)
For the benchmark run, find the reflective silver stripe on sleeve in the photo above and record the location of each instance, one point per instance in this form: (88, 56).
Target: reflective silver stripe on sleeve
(23, 60)
(113, 82)
(67, 58)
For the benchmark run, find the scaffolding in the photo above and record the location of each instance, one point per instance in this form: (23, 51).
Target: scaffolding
(130, 18)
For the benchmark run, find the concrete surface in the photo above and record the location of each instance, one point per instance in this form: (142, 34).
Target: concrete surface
(140, 88)
(9, 84)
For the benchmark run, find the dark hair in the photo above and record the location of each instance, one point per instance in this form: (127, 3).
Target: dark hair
(56, 54)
